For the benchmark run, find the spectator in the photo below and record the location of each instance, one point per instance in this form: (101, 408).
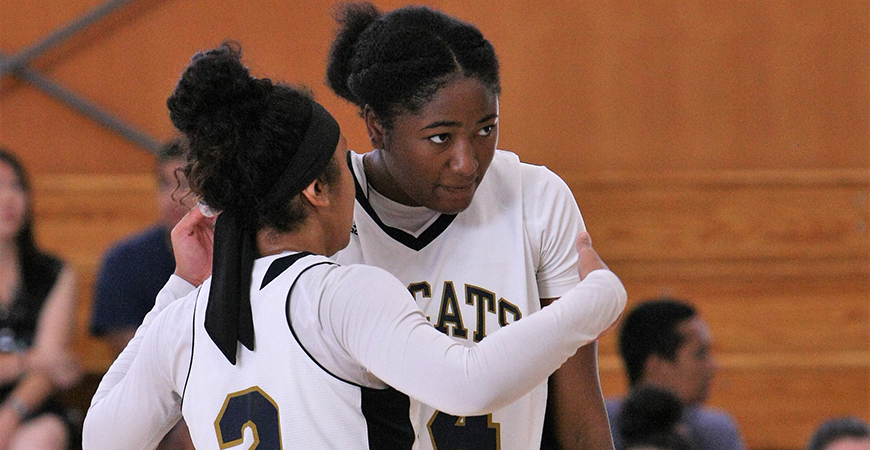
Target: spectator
(841, 433)
(650, 420)
(135, 269)
(37, 315)
(664, 343)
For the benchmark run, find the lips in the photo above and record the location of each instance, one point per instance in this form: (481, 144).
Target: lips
(461, 186)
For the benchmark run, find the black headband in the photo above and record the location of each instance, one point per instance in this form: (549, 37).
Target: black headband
(228, 317)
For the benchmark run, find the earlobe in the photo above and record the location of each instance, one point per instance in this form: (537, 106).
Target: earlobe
(374, 127)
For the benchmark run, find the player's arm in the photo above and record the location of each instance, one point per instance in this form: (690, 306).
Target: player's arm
(390, 337)
(576, 405)
(575, 402)
(138, 410)
(192, 243)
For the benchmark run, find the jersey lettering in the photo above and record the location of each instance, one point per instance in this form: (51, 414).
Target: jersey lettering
(467, 433)
(251, 408)
(450, 313)
(423, 289)
(504, 308)
(485, 301)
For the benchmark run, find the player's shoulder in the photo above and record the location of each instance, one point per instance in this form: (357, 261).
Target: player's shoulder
(353, 278)
(176, 318)
(531, 175)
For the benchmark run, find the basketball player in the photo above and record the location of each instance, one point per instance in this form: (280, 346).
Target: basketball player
(330, 339)
(481, 239)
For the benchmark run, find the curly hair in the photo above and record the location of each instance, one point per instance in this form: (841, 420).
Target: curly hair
(241, 133)
(395, 63)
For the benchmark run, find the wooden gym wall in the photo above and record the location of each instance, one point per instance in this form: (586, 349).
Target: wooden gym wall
(718, 150)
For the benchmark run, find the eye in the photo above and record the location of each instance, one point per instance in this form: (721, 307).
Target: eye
(486, 131)
(440, 138)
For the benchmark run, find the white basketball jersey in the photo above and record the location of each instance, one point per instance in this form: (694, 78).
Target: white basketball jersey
(472, 273)
(277, 396)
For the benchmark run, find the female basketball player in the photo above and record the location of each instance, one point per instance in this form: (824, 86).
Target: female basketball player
(321, 343)
(480, 238)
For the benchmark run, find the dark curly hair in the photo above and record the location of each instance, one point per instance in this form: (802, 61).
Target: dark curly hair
(649, 418)
(395, 63)
(838, 428)
(651, 329)
(241, 133)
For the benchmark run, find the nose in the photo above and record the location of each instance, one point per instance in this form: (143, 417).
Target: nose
(463, 160)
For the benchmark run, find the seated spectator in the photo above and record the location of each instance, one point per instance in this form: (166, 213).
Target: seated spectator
(37, 317)
(650, 420)
(134, 270)
(841, 433)
(664, 343)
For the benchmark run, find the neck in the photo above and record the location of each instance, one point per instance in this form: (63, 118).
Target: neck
(380, 179)
(304, 239)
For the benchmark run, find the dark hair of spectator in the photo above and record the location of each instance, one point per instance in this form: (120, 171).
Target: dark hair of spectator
(649, 418)
(396, 62)
(36, 265)
(838, 428)
(651, 329)
(170, 151)
(241, 133)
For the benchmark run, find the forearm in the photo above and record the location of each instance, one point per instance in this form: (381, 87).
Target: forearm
(11, 366)
(30, 392)
(577, 405)
(507, 364)
(174, 289)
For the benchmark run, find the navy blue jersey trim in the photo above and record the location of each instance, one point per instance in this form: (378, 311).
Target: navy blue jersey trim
(296, 337)
(388, 419)
(192, 347)
(279, 265)
(406, 239)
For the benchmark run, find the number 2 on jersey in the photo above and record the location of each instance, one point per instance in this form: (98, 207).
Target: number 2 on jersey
(251, 408)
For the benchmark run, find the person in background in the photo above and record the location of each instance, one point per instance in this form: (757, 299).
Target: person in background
(37, 316)
(134, 270)
(841, 433)
(650, 420)
(664, 343)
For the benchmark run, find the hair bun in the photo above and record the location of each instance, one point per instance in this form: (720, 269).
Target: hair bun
(215, 84)
(353, 20)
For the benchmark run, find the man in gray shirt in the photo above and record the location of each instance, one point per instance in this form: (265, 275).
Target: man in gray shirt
(665, 344)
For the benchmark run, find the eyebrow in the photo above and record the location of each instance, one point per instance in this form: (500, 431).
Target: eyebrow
(453, 123)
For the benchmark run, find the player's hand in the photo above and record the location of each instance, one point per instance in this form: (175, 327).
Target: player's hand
(588, 257)
(193, 245)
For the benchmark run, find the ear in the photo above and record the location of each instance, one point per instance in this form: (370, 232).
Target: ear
(316, 193)
(374, 127)
(656, 366)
